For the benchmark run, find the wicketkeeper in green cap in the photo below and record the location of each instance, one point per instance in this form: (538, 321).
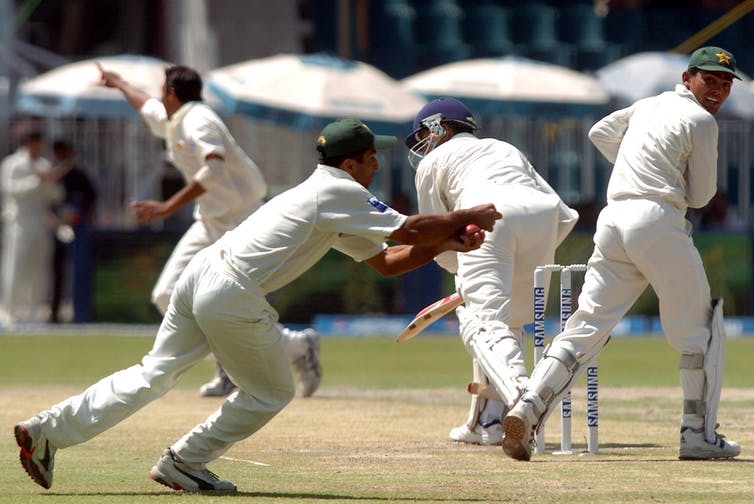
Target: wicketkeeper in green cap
(664, 155)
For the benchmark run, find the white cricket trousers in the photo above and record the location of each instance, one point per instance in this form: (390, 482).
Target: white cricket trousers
(497, 280)
(200, 235)
(641, 242)
(210, 311)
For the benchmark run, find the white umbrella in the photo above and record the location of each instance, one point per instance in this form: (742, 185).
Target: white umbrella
(512, 85)
(304, 91)
(74, 90)
(650, 73)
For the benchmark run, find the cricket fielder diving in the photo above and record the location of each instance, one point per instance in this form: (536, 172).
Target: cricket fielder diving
(664, 151)
(454, 170)
(226, 187)
(220, 305)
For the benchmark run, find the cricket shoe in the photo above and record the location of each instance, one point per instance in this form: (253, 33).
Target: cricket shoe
(518, 429)
(171, 472)
(219, 386)
(491, 434)
(694, 446)
(307, 366)
(37, 453)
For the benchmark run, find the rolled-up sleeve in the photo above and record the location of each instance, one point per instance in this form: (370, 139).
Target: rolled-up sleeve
(207, 140)
(154, 114)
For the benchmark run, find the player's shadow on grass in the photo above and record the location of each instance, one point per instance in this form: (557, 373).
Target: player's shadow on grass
(272, 495)
(582, 447)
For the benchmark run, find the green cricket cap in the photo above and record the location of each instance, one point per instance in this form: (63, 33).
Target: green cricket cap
(349, 136)
(714, 59)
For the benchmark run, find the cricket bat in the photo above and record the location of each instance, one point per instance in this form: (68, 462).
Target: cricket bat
(430, 314)
(484, 390)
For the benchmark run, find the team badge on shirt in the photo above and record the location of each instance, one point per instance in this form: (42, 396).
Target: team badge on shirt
(379, 205)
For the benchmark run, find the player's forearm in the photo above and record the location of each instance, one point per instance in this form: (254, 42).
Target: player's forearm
(399, 259)
(183, 197)
(431, 229)
(136, 97)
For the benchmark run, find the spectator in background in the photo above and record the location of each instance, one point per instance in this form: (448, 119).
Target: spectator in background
(75, 215)
(28, 187)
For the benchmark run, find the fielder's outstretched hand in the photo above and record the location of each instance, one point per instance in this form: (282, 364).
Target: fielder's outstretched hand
(107, 78)
(484, 216)
(470, 239)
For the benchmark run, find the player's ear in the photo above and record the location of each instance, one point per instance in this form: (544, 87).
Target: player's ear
(686, 77)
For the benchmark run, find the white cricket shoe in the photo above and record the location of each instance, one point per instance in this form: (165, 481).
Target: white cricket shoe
(307, 366)
(463, 434)
(219, 386)
(482, 435)
(37, 453)
(694, 446)
(518, 431)
(171, 472)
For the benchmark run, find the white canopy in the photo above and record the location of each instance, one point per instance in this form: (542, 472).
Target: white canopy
(302, 91)
(512, 85)
(74, 90)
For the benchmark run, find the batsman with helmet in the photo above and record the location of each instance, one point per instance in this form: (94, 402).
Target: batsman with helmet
(454, 170)
(664, 151)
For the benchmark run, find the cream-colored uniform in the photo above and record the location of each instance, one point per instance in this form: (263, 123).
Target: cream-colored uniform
(496, 280)
(219, 306)
(232, 193)
(27, 237)
(665, 153)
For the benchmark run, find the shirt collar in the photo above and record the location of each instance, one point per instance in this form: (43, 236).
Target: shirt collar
(335, 172)
(179, 114)
(685, 92)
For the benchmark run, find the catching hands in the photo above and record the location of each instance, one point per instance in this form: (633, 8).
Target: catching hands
(469, 239)
(484, 216)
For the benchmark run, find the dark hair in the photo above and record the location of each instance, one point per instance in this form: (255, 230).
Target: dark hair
(185, 83)
(337, 160)
(32, 136)
(61, 145)
(460, 127)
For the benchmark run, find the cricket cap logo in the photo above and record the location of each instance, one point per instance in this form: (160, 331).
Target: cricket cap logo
(713, 59)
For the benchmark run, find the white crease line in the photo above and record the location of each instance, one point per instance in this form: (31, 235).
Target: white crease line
(254, 462)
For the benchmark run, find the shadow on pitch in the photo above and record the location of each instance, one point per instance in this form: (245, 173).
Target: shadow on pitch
(271, 495)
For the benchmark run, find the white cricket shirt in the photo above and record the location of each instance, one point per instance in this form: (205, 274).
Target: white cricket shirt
(24, 196)
(193, 132)
(457, 173)
(663, 147)
(294, 230)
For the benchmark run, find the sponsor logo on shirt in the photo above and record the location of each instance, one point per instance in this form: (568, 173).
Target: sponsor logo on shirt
(379, 205)
(189, 146)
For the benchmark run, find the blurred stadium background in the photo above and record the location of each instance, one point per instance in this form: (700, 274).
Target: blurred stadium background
(401, 38)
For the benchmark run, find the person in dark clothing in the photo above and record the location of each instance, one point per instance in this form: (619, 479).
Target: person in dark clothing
(73, 235)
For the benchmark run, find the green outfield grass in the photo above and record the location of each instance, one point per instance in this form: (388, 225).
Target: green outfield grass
(376, 430)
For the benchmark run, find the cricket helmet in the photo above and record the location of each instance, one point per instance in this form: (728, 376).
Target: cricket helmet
(431, 117)
(450, 110)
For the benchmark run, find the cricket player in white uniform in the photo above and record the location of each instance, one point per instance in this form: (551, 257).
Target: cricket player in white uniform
(28, 191)
(227, 187)
(458, 170)
(219, 306)
(664, 151)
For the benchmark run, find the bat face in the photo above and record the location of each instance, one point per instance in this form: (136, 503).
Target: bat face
(430, 314)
